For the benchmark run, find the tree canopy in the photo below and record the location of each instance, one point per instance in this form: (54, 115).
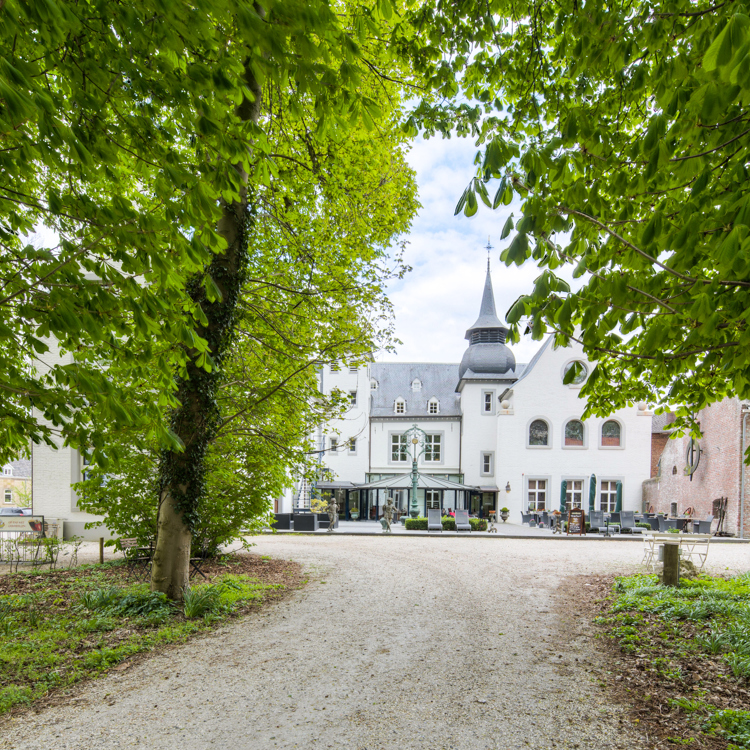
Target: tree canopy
(121, 130)
(624, 130)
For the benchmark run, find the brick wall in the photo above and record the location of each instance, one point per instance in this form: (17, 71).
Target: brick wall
(718, 474)
(658, 441)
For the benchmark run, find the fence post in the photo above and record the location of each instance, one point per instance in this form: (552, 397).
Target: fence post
(101, 550)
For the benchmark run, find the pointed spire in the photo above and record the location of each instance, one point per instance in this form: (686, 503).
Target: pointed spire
(487, 313)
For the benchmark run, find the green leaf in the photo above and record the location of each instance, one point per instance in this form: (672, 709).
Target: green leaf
(507, 227)
(720, 51)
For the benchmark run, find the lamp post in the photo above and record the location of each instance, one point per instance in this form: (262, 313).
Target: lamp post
(418, 437)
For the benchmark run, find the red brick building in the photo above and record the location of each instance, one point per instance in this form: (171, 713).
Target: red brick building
(719, 472)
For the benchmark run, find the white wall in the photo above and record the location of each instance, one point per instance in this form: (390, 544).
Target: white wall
(542, 394)
(479, 432)
(450, 431)
(55, 470)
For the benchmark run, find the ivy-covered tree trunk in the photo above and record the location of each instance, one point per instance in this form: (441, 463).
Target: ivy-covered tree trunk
(195, 422)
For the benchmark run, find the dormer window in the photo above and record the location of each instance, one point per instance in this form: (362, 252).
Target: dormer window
(416, 384)
(400, 406)
(433, 407)
(8, 471)
(373, 385)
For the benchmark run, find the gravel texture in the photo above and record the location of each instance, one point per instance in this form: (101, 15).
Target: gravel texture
(394, 643)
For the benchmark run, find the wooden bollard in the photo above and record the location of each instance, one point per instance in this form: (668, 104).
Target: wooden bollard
(671, 564)
(101, 550)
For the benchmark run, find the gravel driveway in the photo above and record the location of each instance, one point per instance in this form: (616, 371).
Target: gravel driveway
(395, 643)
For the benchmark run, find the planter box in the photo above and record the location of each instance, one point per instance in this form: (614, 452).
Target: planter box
(306, 522)
(283, 521)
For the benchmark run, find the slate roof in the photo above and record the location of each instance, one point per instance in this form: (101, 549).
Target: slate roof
(21, 468)
(395, 379)
(487, 313)
(661, 422)
(511, 376)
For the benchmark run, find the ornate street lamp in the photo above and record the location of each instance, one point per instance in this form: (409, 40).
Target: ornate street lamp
(418, 439)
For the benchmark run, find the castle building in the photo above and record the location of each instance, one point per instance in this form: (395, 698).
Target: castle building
(495, 433)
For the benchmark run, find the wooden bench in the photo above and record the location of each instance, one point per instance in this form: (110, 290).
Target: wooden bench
(137, 558)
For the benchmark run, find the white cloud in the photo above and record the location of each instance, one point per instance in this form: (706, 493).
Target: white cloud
(439, 299)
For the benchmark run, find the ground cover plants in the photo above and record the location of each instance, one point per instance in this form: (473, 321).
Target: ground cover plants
(59, 627)
(684, 657)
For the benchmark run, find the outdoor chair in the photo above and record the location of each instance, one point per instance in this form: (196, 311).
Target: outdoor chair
(138, 559)
(462, 520)
(544, 519)
(653, 521)
(702, 527)
(627, 522)
(525, 517)
(663, 524)
(434, 520)
(596, 521)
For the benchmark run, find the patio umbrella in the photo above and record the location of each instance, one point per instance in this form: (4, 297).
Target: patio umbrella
(563, 493)
(618, 505)
(592, 493)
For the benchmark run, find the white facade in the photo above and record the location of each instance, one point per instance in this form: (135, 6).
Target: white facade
(481, 413)
(55, 470)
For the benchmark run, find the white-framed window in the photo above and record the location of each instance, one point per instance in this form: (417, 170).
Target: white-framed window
(488, 402)
(574, 434)
(335, 366)
(373, 384)
(353, 398)
(611, 434)
(351, 446)
(432, 498)
(608, 495)
(399, 448)
(334, 445)
(487, 467)
(432, 445)
(399, 406)
(574, 493)
(433, 406)
(537, 494)
(353, 369)
(8, 496)
(416, 384)
(8, 471)
(538, 435)
(580, 378)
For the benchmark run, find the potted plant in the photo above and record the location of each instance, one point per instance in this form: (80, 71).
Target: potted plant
(504, 513)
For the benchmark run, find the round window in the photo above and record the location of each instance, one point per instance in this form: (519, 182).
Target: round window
(580, 376)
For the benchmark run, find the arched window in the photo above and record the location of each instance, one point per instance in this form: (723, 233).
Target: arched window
(574, 433)
(538, 432)
(611, 434)
(400, 406)
(416, 384)
(433, 407)
(373, 384)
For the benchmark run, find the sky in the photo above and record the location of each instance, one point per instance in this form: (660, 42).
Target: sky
(439, 299)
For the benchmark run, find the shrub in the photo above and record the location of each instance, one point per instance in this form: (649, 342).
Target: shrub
(449, 524)
(641, 525)
(416, 524)
(478, 524)
(504, 510)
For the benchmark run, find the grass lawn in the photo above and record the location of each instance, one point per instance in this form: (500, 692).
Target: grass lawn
(684, 658)
(62, 626)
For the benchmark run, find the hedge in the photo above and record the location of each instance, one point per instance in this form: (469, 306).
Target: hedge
(449, 524)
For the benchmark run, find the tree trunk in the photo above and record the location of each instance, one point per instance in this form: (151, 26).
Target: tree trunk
(195, 422)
